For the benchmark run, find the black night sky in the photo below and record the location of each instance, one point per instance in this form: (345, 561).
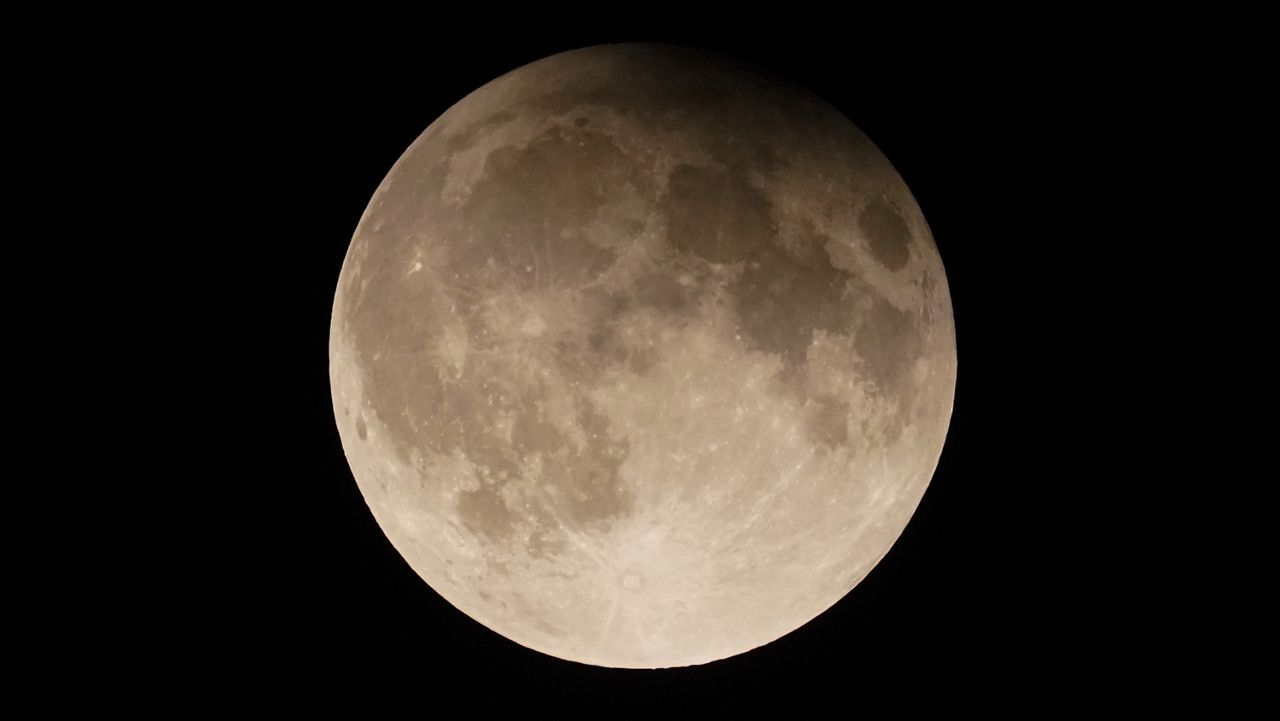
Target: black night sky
(1052, 567)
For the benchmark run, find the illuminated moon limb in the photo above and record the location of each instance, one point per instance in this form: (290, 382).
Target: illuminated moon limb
(642, 359)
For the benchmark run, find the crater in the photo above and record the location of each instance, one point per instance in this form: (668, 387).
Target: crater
(361, 430)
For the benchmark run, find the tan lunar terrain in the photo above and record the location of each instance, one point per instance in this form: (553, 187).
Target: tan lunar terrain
(641, 359)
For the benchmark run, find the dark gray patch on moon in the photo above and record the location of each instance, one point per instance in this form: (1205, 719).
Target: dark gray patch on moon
(888, 232)
(610, 349)
(485, 514)
(780, 301)
(783, 293)
(715, 214)
(588, 481)
(827, 421)
(667, 293)
(531, 208)
(888, 341)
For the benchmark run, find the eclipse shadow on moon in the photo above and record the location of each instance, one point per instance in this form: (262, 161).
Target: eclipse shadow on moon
(641, 358)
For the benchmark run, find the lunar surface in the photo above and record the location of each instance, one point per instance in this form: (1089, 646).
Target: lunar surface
(640, 358)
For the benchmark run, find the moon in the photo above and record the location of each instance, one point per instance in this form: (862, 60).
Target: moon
(641, 357)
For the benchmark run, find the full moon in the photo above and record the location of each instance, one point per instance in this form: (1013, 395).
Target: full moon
(642, 358)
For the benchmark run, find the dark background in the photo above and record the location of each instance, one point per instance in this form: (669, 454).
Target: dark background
(1071, 169)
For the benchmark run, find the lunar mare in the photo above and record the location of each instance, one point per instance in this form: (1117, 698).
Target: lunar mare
(641, 358)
